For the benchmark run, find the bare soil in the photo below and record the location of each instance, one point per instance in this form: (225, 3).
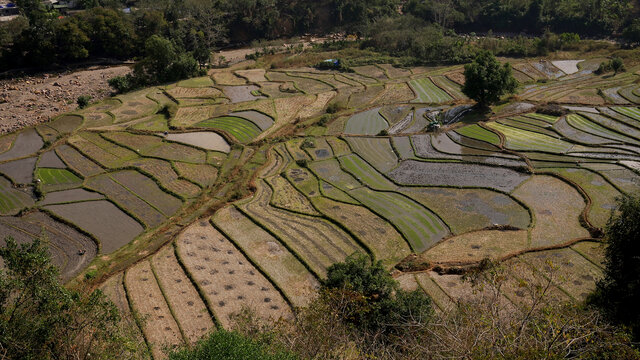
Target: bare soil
(36, 99)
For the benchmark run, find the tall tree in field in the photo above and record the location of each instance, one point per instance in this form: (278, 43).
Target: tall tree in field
(618, 293)
(487, 80)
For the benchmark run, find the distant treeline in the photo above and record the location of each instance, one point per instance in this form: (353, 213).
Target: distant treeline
(41, 37)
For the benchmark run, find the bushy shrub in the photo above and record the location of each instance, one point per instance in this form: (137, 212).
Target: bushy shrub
(618, 293)
(83, 101)
(374, 301)
(616, 65)
(226, 345)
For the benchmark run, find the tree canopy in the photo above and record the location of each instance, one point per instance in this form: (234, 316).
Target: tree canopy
(486, 80)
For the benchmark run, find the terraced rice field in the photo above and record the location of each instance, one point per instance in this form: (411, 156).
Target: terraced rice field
(376, 151)
(369, 122)
(419, 226)
(428, 93)
(253, 202)
(241, 129)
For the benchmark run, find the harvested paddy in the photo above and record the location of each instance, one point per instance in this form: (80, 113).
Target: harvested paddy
(269, 254)
(412, 172)
(113, 228)
(159, 326)
(376, 233)
(204, 140)
(476, 246)
(226, 277)
(189, 310)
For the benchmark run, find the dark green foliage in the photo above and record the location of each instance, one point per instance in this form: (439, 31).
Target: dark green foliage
(83, 101)
(618, 293)
(225, 345)
(163, 63)
(371, 299)
(632, 32)
(487, 80)
(616, 65)
(41, 319)
(335, 107)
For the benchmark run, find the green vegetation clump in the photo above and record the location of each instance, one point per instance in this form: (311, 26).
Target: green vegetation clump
(226, 345)
(618, 293)
(487, 80)
(41, 319)
(377, 303)
(83, 101)
(616, 65)
(163, 63)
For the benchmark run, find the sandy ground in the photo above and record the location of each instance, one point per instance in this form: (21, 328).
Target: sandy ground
(35, 99)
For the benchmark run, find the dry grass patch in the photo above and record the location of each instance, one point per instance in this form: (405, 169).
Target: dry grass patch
(477, 245)
(285, 196)
(159, 326)
(576, 275)
(253, 75)
(226, 277)
(227, 78)
(395, 93)
(318, 106)
(592, 251)
(190, 312)
(202, 174)
(439, 297)
(197, 93)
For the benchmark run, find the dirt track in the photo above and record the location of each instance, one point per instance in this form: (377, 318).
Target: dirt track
(36, 99)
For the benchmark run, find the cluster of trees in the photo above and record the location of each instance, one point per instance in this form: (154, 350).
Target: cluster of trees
(587, 17)
(422, 28)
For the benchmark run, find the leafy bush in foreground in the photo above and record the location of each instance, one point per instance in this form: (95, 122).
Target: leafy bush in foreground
(618, 294)
(225, 345)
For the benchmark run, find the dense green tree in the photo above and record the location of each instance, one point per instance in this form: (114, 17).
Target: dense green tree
(111, 32)
(41, 319)
(618, 293)
(71, 40)
(371, 299)
(486, 81)
(632, 32)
